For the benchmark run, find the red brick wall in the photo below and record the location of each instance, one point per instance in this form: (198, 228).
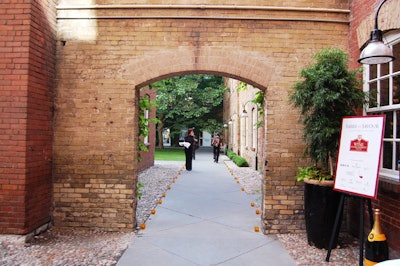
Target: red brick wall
(27, 64)
(388, 196)
(389, 204)
(148, 156)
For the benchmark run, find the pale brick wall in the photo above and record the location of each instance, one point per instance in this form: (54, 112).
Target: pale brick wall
(105, 61)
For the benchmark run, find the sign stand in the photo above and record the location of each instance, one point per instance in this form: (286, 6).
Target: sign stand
(335, 231)
(357, 169)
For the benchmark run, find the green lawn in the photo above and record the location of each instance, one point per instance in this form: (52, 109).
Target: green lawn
(169, 154)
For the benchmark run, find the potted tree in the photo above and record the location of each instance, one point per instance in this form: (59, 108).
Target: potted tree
(327, 91)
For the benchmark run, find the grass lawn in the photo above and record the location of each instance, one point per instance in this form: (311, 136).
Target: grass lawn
(169, 154)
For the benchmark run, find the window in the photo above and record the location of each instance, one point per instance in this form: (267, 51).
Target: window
(254, 113)
(383, 84)
(146, 117)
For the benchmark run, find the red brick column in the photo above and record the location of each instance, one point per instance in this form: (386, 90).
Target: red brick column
(27, 65)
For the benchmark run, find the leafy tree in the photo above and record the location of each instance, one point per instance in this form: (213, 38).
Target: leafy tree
(189, 101)
(327, 91)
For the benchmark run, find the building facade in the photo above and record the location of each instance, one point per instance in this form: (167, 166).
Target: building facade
(70, 81)
(383, 84)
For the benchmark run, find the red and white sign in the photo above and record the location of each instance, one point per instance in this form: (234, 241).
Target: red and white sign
(359, 155)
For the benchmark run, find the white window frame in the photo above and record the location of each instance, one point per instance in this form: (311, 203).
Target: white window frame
(391, 39)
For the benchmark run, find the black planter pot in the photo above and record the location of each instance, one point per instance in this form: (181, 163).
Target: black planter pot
(321, 205)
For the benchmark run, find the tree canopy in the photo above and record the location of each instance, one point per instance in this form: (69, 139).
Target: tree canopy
(190, 101)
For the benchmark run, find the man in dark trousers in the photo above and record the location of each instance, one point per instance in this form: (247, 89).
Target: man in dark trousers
(189, 150)
(216, 143)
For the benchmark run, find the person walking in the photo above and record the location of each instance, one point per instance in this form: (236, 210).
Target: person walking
(196, 146)
(189, 148)
(216, 143)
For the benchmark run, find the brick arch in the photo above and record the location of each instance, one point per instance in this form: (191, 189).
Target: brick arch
(252, 67)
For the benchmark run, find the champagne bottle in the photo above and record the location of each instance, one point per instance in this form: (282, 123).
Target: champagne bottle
(376, 247)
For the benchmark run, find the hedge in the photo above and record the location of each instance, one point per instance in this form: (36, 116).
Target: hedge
(238, 160)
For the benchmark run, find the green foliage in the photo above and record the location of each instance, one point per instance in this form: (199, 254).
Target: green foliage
(230, 153)
(259, 100)
(327, 92)
(238, 160)
(190, 101)
(144, 104)
(139, 190)
(312, 172)
(242, 86)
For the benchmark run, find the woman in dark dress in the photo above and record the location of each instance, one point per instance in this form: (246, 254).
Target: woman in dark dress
(189, 150)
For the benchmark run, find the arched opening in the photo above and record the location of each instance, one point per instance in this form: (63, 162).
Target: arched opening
(235, 98)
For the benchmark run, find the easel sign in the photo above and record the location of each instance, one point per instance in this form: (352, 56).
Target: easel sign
(359, 155)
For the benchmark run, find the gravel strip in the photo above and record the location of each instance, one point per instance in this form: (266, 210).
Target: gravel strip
(74, 247)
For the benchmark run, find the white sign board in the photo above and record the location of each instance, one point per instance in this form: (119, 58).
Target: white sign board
(359, 155)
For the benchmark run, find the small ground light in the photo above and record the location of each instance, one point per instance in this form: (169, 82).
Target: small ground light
(153, 211)
(257, 211)
(143, 226)
(242, 188)
(159, 201)
(163, 195)
(169, 187)
(252, 204)
(256, 229)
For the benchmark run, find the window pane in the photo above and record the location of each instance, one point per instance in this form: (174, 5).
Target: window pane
(373, 95)
(384, 69)
(396, 53)
(398, 125)
(396, 90)
(387, 154)
(384, 92)
(389, 125)
(397, 156)
(372, 71)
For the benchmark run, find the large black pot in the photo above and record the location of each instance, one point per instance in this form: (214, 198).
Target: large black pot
(321, 205)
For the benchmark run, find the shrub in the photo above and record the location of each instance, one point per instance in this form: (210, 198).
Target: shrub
(230, 153)
(238, 160)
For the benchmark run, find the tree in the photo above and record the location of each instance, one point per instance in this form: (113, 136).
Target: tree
(189, 101)
(327, 92)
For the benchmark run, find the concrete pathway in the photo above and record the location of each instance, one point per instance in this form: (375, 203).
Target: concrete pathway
(205, 219)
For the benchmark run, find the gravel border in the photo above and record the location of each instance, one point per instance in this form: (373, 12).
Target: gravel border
(57, 247)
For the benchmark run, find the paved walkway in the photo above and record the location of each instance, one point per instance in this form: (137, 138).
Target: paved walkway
(205, 219)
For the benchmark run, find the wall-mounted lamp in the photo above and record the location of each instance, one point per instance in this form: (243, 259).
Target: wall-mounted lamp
(376, 52)
(244, 113)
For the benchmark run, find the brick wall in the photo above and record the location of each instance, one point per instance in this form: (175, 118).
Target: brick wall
(148, 156)
(27, 60)
(362, 22)
(102, 63)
